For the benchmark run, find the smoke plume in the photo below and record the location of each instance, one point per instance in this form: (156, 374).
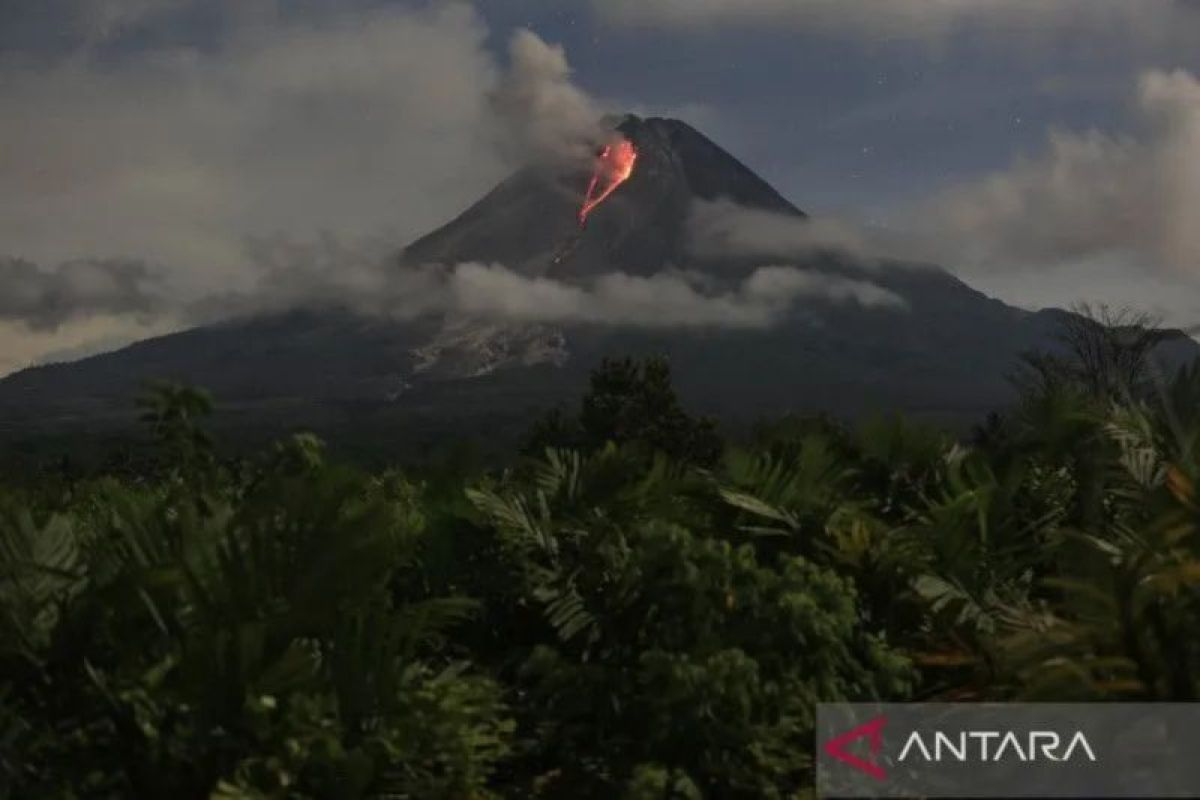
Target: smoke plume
(543, 115)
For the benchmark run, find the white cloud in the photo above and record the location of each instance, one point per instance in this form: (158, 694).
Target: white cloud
(20, 347)
(661, 300)
(664, 300)
(300, 274)
(1088, 197)
(359, 275)
(1105, 281)
(723, 228)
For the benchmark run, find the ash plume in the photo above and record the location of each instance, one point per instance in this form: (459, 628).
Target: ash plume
(542, 115)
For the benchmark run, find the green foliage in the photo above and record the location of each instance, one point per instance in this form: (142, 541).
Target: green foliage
(632, 611)
(673, 647)
(239, 642)
(628, 402)
(174, 414)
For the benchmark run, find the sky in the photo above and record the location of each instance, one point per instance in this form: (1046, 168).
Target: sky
(159, 158)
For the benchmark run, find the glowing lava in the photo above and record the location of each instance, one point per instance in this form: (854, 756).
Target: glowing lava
(614, 165)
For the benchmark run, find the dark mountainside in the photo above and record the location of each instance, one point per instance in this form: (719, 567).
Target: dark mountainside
(530, 218)
(348, 377)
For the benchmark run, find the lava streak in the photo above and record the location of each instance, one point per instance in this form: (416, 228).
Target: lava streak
(614, 165)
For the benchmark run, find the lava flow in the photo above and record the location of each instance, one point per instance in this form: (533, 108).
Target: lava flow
(614, 165)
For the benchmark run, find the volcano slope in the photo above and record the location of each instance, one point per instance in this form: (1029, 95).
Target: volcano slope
(937, 349)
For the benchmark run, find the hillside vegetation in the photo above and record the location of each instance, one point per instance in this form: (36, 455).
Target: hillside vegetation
(633, 608)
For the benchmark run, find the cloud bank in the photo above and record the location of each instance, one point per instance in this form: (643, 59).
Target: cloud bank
(46, 299)
(1089, 196)
(658, 301)
(723, 228)
(300, 274)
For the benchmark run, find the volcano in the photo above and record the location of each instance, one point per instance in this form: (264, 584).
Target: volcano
(525, 222)
(943, 353)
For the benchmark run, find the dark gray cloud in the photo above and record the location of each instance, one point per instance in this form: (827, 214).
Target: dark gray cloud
(44, 299)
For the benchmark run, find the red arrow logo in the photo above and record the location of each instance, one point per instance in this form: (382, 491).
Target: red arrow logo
(873, 730)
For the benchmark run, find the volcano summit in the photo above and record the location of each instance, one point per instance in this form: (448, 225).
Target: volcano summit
(640, 229)
(663, 265)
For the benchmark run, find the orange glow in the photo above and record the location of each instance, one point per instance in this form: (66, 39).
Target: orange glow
(614, 165)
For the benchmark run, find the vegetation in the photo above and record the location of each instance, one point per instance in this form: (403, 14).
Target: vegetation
(631, 610)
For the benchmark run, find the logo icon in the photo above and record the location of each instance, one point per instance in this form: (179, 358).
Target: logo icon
(873, 731)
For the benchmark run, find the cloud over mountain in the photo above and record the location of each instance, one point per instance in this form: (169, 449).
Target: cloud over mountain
(1088, 196)
(722, 228)
(663, 300)
(359, 276)
(43, 299)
